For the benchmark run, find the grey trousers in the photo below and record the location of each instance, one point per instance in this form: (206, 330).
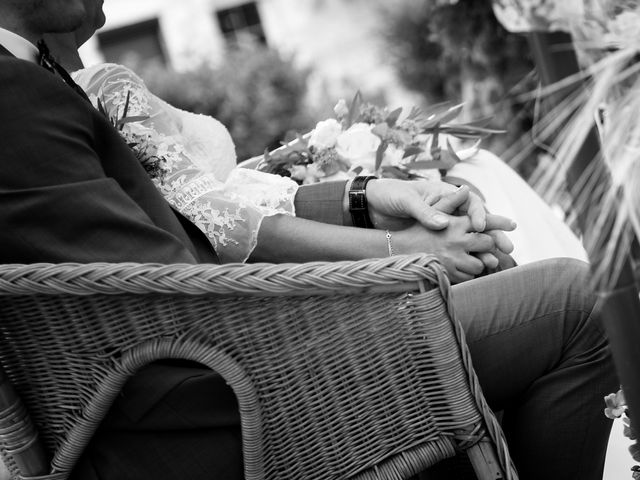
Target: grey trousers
(537, 346)
(540, 352)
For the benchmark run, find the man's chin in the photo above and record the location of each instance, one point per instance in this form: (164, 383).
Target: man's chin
(62, 22)
(68, 26)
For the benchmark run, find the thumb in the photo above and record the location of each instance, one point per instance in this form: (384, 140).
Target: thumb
(430, 217)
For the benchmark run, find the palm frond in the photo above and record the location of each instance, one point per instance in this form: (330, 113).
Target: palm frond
(608, 196)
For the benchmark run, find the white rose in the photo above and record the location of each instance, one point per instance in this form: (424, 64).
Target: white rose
(358, 145)
(393, 156)
(314, 174)
(325, 134)
(298, 172)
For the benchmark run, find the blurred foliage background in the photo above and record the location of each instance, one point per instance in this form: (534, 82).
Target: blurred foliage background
(441, 49)
(458, 51)
(257, 93)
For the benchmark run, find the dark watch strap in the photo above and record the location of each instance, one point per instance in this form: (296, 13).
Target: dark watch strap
(358, 206)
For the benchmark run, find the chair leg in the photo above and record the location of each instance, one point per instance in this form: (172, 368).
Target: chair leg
(485, 461)
(18, 433)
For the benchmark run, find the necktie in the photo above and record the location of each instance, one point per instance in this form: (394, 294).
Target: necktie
(46, 60)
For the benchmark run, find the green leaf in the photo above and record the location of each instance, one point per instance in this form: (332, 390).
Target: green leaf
(392, 118)
(101, 108)
(381, 130)
(123, 121)
(427, 164)
(429, 116)
(443, 117)
(414, 114)
(468, 130)
(452, 152)
(435, 145)
(409, 151)
(435, 109)
(481, 122)
(395, 172)
(450, 114)
(380, 155)
(125, 110)
(354, 110)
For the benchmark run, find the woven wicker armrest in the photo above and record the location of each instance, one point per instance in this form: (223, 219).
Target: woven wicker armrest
(341, 370)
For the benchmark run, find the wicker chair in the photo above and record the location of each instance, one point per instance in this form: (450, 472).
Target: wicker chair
(363, 359)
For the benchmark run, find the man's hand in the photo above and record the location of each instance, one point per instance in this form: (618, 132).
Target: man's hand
(396, 204)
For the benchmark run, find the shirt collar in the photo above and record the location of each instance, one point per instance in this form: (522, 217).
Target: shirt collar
(18, 46)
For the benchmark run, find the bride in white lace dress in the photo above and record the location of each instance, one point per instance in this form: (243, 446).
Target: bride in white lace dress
(195, 162)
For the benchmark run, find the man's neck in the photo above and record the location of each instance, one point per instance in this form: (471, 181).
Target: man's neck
(8, 21)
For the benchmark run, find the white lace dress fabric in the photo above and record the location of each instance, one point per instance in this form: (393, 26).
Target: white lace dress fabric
(196, 162)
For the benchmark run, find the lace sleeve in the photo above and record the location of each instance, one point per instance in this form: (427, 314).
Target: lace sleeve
(229, 212)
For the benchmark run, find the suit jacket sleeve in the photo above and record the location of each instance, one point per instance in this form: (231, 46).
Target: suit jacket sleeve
(58, 204)
(322, 202)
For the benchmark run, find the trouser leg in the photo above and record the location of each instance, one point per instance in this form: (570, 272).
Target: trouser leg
(541, 356)
(192, 432)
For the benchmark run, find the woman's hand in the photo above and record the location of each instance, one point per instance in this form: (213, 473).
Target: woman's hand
(464, 252)
(397, 205)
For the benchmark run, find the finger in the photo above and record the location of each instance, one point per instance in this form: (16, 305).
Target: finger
(489, 260)
(505, 261)
(450, 202)
(501, 241)
(469, 264)
(477, 212)
(432, 199)
(478, 242)
(429, 217)
(459, 277)
(498, 222)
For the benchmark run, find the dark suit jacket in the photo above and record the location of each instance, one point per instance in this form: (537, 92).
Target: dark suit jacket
(71, 190)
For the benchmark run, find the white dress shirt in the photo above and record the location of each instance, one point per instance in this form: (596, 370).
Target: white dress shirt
(18, 46)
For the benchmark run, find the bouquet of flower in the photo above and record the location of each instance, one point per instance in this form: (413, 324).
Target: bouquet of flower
(366, 139)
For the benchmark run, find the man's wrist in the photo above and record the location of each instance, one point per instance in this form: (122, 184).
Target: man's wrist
(346, 216)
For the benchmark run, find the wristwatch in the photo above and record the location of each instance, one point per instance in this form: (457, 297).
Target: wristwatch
(358, 206)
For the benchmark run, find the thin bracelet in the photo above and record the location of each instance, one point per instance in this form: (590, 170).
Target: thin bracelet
(389, 246)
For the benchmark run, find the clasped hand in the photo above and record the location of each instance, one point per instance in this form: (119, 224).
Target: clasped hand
(439, 218)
